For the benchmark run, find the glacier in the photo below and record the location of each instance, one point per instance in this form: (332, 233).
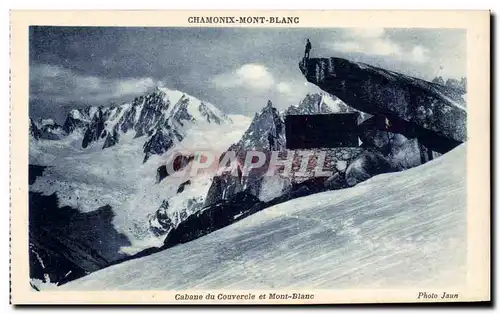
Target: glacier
(93, 177)
(402, 229)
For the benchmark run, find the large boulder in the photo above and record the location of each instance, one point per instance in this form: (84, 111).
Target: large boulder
(398, 143)
(336, 182)
(367, 165)
(273, 187)
(432, 107)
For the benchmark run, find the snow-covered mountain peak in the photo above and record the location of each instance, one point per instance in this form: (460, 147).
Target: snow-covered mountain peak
(190, 108)
(319, 103)
(323, 103)
(168, 93)
(162, 117)
(267, 123)
(76, 114)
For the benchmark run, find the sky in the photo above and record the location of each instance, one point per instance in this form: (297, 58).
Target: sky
(236, 69)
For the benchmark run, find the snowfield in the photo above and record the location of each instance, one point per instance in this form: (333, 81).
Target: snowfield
(405, 229)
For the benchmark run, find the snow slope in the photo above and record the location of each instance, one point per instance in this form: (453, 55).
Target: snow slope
(394, 230)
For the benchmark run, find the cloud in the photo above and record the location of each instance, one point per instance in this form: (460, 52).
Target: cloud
(373, 32)
(59, 85)
(384, 47)
(347, 46)
(135, 86)
(251, 85)
(375, 41)
(419, 54)
(255, 81)
(250, 76)
(283, 88)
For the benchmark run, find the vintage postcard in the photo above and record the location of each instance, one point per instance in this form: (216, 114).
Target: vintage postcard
(250, 157)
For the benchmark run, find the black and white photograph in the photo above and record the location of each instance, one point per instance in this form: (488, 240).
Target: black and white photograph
(283, 159)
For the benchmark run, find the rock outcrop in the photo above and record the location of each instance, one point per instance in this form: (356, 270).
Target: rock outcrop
(112, 138)
(432, 107)
(213, 217)
(45, 129)
(159, 143)
(34, 130)
(65, 243)
(78, 119)
(161, 173)
(166, 218)
(266, 133)
(176, 163)
(401, 143)
(96, 129)
(368, 164)
(411, 120)
(182, 186)
(160, 222)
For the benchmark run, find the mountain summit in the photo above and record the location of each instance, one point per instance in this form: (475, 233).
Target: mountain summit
(162, 117)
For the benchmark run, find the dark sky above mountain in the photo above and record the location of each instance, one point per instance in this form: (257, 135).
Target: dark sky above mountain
(236, 69)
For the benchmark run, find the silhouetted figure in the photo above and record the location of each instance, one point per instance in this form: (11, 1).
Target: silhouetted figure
(308, 49)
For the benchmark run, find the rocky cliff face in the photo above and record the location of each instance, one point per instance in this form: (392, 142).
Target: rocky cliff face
(265, 133)
(159, 142)
(377, 91)
(79, 119)
(96, 129)
(65, 243)
(267, 122)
